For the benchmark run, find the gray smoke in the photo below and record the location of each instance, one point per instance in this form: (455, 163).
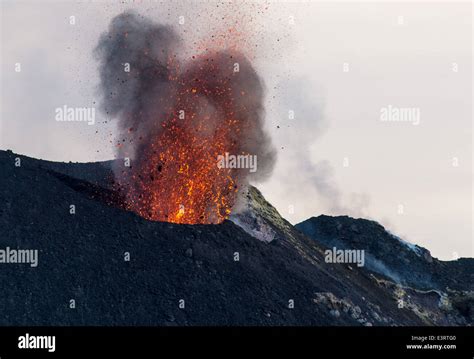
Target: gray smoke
(134, 75)
(305, 178)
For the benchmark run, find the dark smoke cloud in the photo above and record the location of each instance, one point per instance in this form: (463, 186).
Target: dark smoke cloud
(133, 97)
(159, 76)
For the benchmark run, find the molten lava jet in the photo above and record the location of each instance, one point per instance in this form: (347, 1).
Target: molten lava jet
(176, 117)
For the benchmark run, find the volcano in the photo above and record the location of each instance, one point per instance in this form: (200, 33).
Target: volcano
(102, 264)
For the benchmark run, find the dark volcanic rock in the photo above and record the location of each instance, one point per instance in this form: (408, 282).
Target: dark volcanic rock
(389, 255)
(121, 269)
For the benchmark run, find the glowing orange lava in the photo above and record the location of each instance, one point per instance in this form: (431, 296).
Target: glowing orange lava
(177, 178)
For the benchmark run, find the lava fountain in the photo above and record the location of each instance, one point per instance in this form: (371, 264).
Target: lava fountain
(176, 116)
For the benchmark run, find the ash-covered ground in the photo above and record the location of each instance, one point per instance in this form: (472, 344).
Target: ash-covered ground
(104, 265)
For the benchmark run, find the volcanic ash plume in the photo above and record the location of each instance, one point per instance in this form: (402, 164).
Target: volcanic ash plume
(176, 117)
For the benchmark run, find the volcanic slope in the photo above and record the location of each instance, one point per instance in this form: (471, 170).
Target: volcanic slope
(177, 274)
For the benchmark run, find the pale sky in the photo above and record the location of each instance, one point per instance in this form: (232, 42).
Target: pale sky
(335, 156)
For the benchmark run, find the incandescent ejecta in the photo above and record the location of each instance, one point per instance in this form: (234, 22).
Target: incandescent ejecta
(177, 115)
